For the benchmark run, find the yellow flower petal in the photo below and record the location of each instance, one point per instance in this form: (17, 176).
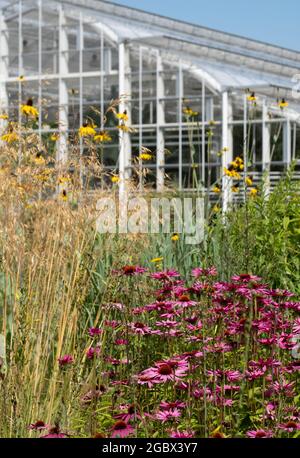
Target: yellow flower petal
(155, 260)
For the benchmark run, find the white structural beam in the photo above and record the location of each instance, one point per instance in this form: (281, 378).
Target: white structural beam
(140, 115)
(203, 136)
(20, 63)
(102, 70)
(209, 109)
(227, 146)
(294, 136)
(179, 92)
(62, 146)
(3, 69)
(124, 106)
(245, 145)
(56, 76)
(266, 146)
(80, 47)
(287, 143)
(107, 31)
(40, 20)
(160, 120)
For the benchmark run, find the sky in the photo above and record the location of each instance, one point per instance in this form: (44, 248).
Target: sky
(272, 21)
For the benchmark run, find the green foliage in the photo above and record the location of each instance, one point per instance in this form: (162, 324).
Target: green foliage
(261, 237)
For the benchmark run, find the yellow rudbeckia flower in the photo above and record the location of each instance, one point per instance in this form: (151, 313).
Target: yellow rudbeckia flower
(216, 189)
(232, 174)
(54, 137)
(29, 110)
(10, 137)
(283, 104)
(38, 159)
(189, 112)
(124, 128)
(64, 195)
(155, 260)
(145, 156)
(122, 116)
(252, 97)
(64, 179)
(102, 137)
(248, 181)
(86, 131)
(253, 192)
(44, 176)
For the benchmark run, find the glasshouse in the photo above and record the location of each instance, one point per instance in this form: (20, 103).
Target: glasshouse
(196, 98)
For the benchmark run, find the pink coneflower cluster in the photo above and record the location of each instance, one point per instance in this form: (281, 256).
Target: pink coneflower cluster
(94, 332)
(190, 357)
(115, 306)
(181, 434)
(164, 371)
(259, 434)
(167, 415)
(130, 270)
(38, 426)
(65, 360)
(230, 375)
(166, 275)
(54, 432)
(139, 328)
(179, 405)
(201, 272)
(121, 342)
(296, 326)
(93, 352)
(129, 412)
(121, 429)
(290, 426)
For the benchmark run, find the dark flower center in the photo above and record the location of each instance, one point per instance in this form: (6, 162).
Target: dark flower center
(218, 436)
(99, 436)
(139, 325)
(129, 270)
(39, 424)
(191, 320)
(172, 405)
(260, 434)
(190, 353)
(120, 425)
(245, 277)
(165, 369)
(291, 424)
(184, 298)
(131, 410)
